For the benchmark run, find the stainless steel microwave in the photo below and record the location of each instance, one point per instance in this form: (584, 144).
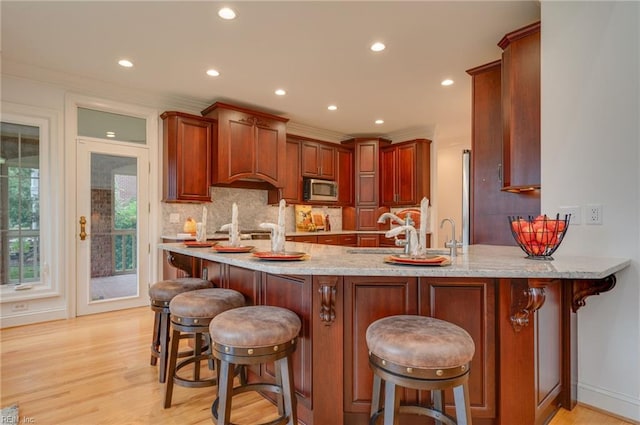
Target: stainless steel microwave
(320, 190)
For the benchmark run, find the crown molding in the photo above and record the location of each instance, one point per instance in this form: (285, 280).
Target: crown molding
(300, 129)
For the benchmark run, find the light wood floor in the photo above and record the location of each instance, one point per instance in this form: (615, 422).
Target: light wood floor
(95, 370)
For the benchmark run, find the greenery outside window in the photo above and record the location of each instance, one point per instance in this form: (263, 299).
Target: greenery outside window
(20, 195)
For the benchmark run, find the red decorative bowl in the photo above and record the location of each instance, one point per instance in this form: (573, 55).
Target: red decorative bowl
(539, 237)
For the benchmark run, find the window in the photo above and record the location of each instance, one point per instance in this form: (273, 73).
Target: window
(20, 194)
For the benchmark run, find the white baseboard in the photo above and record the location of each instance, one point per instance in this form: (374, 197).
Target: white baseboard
(29, 318)
(621, 405)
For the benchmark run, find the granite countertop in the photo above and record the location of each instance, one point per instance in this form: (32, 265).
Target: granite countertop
(478, 261)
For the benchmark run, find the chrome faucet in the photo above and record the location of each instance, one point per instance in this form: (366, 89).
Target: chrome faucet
(453, 244)
(406, 226)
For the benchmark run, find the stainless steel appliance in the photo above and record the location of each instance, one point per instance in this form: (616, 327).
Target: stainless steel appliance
(319, 190)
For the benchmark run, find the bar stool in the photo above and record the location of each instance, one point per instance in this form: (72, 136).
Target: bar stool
(191, 313)
(421, 353)
(255, 335)
(161, 293)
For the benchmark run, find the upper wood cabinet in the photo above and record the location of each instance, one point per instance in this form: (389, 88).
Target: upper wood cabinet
(344, 175)
(405, 173)
(318, 160)
(249, 145)
(521, 109)
(490, 205)
(291, 190)
(187, 167)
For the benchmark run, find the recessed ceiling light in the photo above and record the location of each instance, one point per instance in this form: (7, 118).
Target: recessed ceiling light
(379, 121)
(378, 47)
(212, 73)
(227, 13)
(125, 63)
(111, 134)
(332, 107)
(280, 92)
(447, 82)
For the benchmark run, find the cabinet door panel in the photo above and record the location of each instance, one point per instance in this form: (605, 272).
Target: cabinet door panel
(266, 153)
(344, 176)
(327, 162)
(245, 281)
(310, 158)
(363, 305)
(470, 304)
(406, 172)
(241, 156)
(294, 293)
(388, 181)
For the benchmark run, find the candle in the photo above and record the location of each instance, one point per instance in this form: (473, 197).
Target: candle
(424, 215)
(234, 225)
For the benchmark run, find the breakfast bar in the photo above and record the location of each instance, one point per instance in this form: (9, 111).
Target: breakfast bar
(521, 314)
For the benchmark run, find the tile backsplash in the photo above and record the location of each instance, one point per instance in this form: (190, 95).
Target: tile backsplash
(252, 210)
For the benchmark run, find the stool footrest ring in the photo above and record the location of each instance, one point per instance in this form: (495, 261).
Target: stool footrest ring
(417, 410)
(260, 386)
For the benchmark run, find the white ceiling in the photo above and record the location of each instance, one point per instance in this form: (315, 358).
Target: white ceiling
(318, 51)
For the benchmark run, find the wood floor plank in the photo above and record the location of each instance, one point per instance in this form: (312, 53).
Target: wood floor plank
(95, 370)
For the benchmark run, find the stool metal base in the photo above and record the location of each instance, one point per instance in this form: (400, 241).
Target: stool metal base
(229, 358)
(393, 378)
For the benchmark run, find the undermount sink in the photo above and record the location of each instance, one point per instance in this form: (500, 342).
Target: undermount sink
(395, 251)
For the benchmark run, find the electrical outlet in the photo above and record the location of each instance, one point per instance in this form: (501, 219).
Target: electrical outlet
(20, 307)
(574, 212)
(174, 218)
(594, 214)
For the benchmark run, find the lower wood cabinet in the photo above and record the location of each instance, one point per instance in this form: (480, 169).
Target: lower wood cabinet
(470, 304)
(363, 304)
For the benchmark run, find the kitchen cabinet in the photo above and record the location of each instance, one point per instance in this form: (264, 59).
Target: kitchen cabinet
(344, 175)
(490, 206)
(187, 162)
(302, 238)
(291, 190)
(366, 180)
(521, 109)
(471, 304)
(405, 171)
(248, 146)
(318, 160)
(368, 241)
(363, 306)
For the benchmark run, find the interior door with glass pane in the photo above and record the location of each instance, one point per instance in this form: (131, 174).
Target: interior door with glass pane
(112, 226)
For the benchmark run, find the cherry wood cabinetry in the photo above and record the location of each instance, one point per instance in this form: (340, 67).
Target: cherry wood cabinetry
(521, 108)
(187, 166)
(405, 173)
(318, 160)
(249, 145)
(368, 241)
(490, 206)
(366, 180)
(363, 306)
(470, 304)
(291, 190)
(344, 175)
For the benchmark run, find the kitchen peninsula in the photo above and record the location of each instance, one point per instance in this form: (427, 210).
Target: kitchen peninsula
(520, 313)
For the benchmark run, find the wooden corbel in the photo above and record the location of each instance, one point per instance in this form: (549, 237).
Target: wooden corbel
(328, 293)
(581, 289)
(181, 262)
(527, 296)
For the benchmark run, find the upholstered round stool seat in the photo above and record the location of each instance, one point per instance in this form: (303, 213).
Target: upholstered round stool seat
(249, 336)
(204, 303)
(423, 342)
(165, 290)
(255, 327)
(420, 353)
(191, 313)
(160, 294)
